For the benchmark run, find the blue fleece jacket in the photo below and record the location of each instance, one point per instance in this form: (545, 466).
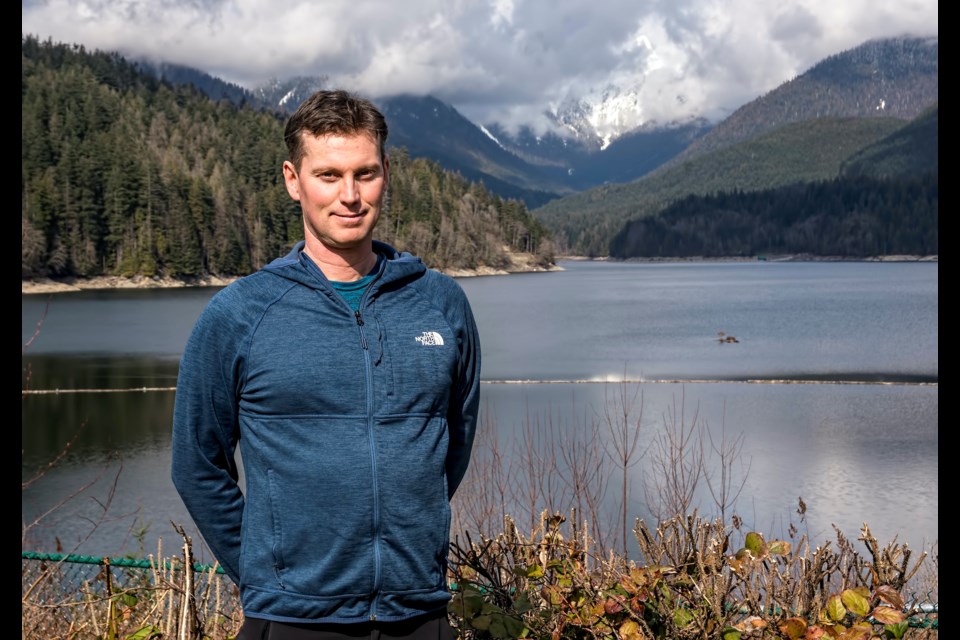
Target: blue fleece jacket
(354, 428)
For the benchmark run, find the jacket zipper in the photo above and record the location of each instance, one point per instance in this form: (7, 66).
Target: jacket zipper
(368, 370)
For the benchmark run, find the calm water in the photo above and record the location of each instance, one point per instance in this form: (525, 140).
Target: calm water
(860, 445)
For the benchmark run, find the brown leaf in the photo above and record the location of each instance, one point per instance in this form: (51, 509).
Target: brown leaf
(891, 596)
(612, 606)
(794, 628)
(778, 547)
(814, 633)
(888, 615)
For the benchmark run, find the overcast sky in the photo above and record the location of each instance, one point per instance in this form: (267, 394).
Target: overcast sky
(495, 60)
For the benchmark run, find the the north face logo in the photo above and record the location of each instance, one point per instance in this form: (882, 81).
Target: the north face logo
(431, 338)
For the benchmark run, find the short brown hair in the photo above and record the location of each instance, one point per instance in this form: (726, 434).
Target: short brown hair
(333, 112)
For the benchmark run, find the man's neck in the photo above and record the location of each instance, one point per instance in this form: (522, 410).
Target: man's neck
(342, 265)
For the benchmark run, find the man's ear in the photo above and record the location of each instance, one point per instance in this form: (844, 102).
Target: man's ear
(386, 168)
(291, 180)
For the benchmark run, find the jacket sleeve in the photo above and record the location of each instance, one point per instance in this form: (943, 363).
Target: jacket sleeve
(206, 432)
(465, 396)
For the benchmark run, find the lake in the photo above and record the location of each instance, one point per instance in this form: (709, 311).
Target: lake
(825, 373)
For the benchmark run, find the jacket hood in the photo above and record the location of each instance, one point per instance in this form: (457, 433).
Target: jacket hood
(298, 267)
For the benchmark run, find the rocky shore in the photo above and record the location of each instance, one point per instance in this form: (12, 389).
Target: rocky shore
(518, 264)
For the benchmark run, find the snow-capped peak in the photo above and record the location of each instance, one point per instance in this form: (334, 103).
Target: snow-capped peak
(601, 115)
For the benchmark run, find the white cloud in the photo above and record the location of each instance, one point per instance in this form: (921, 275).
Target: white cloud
(495, 59)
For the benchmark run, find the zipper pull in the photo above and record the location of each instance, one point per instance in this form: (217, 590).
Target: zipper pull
(363, 340)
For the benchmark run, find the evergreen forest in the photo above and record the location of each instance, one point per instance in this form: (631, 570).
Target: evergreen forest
(848, 217)
(124, 174)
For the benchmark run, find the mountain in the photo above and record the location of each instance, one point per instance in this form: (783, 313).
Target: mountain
(583, 163)
(214, 88)
(530, 167)
(803, 131)
(885, 201)
(910, 151)
(427, 127)
(285, 95)
(125, 174)
(585, 223)
(596, 143)
(895, 77)
(598, 118)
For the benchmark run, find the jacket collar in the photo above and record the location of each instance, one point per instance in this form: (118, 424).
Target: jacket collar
(298, 267)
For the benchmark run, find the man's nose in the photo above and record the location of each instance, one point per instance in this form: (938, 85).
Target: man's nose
(349, 192)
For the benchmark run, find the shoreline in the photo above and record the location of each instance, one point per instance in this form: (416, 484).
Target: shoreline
(35, 286)
(767, 258)
(39, 286)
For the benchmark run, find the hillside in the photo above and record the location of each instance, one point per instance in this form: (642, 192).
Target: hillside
(911, 151)
(885, 201)
(892, 78)
(799, 152)
(802, 131)
(123, 174)
(846, 217)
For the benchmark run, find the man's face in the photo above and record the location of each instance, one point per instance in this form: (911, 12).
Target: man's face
(340, 187)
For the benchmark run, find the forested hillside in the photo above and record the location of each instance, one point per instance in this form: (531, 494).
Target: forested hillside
(122, 174)
(850, 217)
(814, 128)
(885, 201)
(800, 152)
(913, 150)
(887, 78)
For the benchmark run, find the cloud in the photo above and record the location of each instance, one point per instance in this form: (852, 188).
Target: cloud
(505, 60)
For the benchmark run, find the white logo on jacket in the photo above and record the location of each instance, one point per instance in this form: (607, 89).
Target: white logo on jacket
(430, 338)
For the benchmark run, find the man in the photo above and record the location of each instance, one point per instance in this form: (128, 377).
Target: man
(348, 373)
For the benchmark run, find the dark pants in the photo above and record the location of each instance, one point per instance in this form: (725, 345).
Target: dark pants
(434, 626)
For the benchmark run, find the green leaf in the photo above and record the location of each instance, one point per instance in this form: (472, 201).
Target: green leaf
(145, 633)
(754, 544)
(557, 565)
(522, 603)
(835, 608)
(535, 572)
(682, 617)
(129, 599)
(730, 633)
(481, 622)
(498, 629)
(515, 627)
(855, 602)
(896, 631)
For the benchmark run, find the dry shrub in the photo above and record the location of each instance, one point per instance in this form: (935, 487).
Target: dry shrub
(691, 582)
